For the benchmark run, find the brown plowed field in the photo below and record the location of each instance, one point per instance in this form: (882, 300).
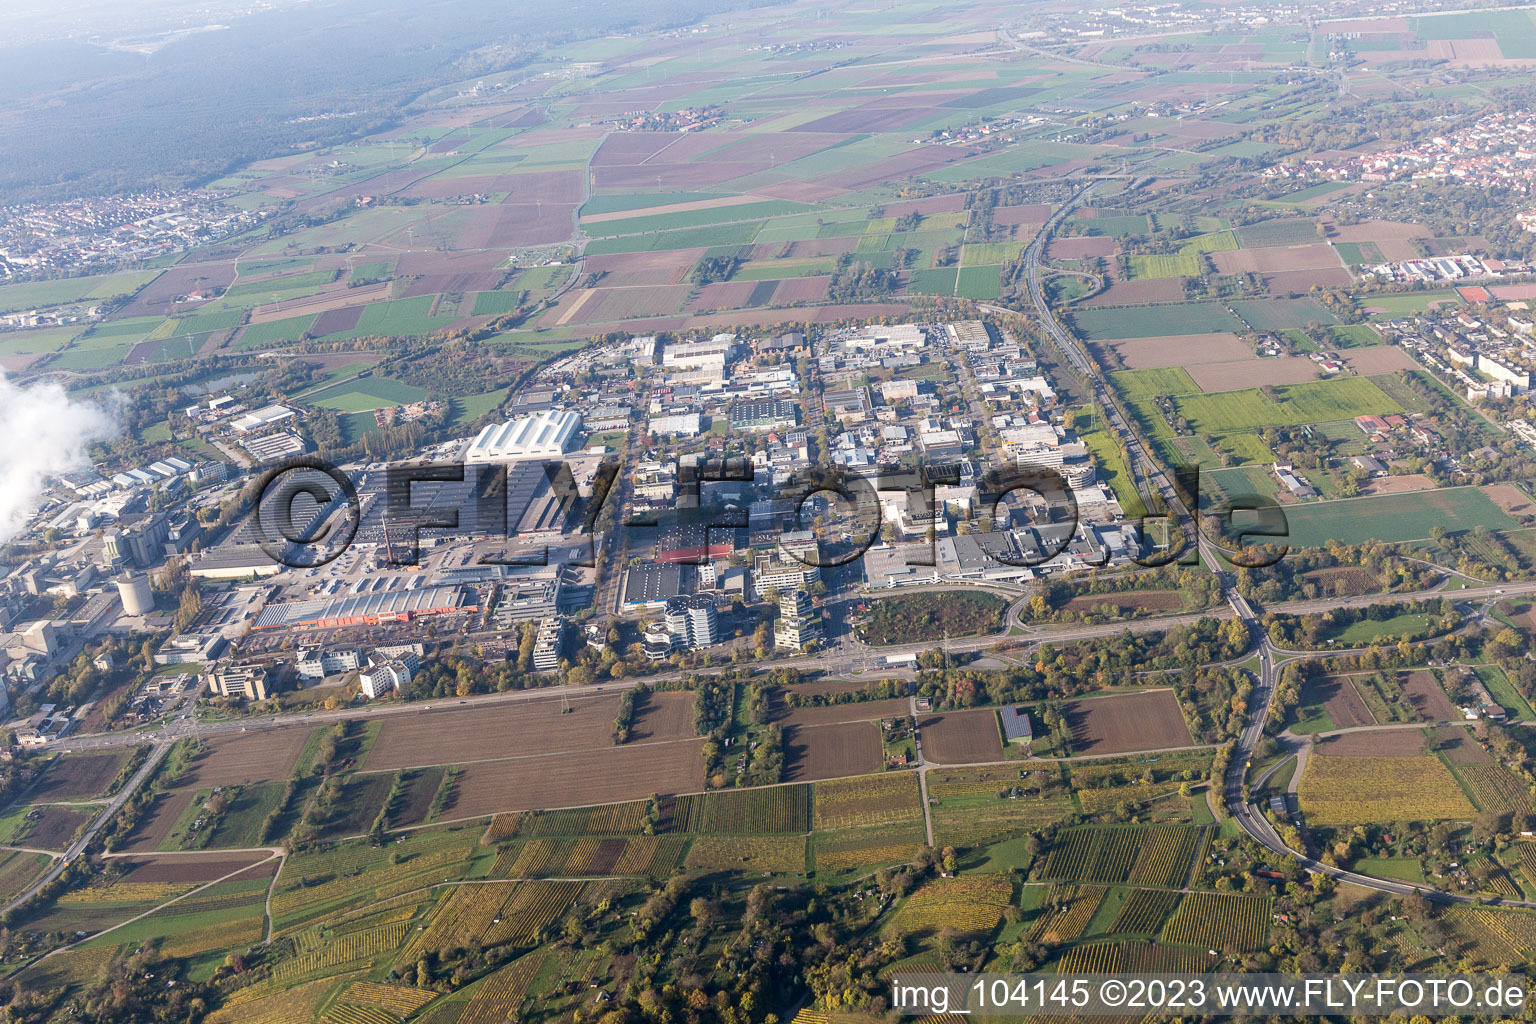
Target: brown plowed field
(800, 191)
(718, 202)
(1510, 498)
(868, 118)
(603, 304)
(262, 756)
(192, 868)
(859, 711)
(335, 320)
(631, 147)
(1376, 231)
(1301, 281)
(1124, 722)
(1180, 350)
(1426, 697)
(1276, 258)
(962, 737)
(1398, 484)
(663, 716)
(336, 299)
(1453, 743)
(604, 776)
(802, 289)
(1035, 213)
(155, 823)
(934, 204)
(1378, 359)
(157, 297)
(79, 777)
(1343, 702)
(1084, 247)
(1134, 293)
(1374, 743)
(644, 268)
(1253, 372)
(55, 828)
(508, 730)
(831, 751)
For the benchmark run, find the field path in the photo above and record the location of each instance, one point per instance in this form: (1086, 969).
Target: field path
(922, 776)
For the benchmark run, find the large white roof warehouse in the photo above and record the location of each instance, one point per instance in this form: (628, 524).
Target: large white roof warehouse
(543, 435)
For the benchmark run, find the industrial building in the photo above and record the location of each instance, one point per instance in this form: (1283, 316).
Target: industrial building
(545, 435)
(137, 596)
(363, 609)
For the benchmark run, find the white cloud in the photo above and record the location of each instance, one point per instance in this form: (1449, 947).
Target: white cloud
(42, 433)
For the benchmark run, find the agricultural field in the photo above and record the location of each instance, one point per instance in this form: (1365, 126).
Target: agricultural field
(1144, 912)
(858, 849)
(1219, 921)
(973, 904)
(977, 806)
(749, 812)
(501, 234)
(1067, 912)
(780, 855)
(865, 800)
(1159, 855)
(1126, 722)
(1394, 517)
(831, 751)
(75, 777)
(962, 737)
(1350, 790)
(1293, 404)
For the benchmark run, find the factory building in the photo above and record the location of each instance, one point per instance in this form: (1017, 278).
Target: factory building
(545, 435)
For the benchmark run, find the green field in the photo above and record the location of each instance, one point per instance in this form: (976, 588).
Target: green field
(979, 282)
(1514, 30)
(1505, 693)
(1369, 631)
(1404, 869)
(397, 317)
(39, 294)
(981, 254)
(1406, 303)
(1294, 404)
(38, 340)
(202, 323)
(1354, 335)
(1144, 385)
(496, 303)
(940, 281)
(1155, 321)
(288, 283)
(1184, 264)
(689, 238)
(1279, 314)
(1110, 462)
(1394, 517)
(367, 394)
(1113, 226)
(275, 332)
